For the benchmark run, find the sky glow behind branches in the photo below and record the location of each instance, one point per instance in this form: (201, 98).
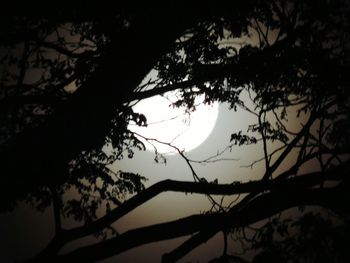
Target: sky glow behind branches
(182, 129)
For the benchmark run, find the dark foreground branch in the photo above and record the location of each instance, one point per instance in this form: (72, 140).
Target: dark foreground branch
(207, 225)
(300, 182)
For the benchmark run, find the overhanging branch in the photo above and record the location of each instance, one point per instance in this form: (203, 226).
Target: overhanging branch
(262, 207)
(295, 183)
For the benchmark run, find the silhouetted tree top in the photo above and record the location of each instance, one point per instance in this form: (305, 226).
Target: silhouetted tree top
(68, 83)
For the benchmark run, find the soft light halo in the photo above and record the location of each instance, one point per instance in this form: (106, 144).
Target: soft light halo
(176, 126)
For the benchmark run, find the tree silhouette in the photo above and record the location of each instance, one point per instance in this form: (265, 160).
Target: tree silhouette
(68, 83)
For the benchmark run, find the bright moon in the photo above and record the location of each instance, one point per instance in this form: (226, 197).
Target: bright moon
(184, 130)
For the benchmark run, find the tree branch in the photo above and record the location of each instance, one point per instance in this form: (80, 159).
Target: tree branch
(290, 146)
(189, 245)
(263, 136)
(254, 211)
(306, 180)
(65, 51)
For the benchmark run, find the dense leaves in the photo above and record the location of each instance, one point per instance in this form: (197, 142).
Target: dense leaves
(313, 237)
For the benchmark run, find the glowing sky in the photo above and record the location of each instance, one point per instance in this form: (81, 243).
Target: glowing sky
(183, 129)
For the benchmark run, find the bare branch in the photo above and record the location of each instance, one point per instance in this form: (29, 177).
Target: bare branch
(290, 146)
(263, 136)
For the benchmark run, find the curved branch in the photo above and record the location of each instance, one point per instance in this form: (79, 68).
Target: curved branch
(291, 146)
(302, 181)
(65, 51)
(188, 245)
(161, 90)
(254, 211)
(258, 210)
